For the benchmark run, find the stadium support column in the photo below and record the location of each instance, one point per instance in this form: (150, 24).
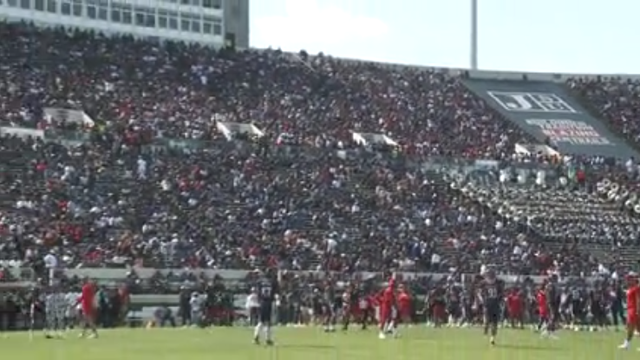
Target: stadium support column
(474, 35)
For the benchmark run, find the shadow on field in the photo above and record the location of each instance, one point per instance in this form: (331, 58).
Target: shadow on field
(526, 347)
(306, 346)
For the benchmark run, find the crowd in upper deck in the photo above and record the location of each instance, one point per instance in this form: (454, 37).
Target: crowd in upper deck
(153, 181)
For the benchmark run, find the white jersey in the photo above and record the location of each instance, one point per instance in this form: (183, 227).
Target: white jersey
(253, 301)
(72, 303)
(55, 305)
(196, 303)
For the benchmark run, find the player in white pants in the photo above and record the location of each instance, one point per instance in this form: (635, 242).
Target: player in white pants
(72, 310)
(55, 305)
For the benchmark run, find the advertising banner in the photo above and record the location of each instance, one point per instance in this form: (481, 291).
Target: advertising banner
(546, 111)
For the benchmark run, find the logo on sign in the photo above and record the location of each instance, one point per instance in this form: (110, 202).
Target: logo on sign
(531, 102)
(569, 131)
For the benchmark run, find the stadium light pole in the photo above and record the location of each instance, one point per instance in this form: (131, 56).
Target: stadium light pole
(474, 35)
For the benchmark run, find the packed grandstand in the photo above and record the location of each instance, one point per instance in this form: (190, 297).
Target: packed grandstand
(127, 153)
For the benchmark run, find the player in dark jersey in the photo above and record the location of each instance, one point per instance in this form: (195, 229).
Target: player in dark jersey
(577, 305)
(267, 293)
(35, 305)
(491, 296)
(453, 303)
(617, 309)
(553, 303)
(317, 304)
(599, 308)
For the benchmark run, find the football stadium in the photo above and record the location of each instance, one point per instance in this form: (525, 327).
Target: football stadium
(168, 191)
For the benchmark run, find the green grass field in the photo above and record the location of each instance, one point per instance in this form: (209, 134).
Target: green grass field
(418, 343)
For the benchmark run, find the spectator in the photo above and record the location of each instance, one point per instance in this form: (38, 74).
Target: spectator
(169, 172)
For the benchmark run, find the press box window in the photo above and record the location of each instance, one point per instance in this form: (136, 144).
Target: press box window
(150, 19)
(185, 21)
(173, 20)
(116, 12)
(163, 22)
(127, 16)
(77, 8)
(195, 26)
(65, 9)
(103, 10)
(140, 16)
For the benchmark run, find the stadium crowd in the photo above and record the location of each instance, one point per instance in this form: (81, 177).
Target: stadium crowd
(154, 183)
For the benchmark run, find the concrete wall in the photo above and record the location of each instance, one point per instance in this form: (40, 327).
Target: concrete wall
(236, 21)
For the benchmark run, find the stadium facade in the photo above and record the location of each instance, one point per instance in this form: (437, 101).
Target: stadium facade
(212, 22)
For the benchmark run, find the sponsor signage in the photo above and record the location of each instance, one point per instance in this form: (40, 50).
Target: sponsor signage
(572, 132)
(531, 102)
(547, 112)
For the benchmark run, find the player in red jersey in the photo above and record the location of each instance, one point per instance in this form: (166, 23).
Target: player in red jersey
(437, 307)
(381, 310)
(543, 310)
(387, 305)
(404, 306)
(366, 306)
(515, 309)
(87, 302)
(633, 309)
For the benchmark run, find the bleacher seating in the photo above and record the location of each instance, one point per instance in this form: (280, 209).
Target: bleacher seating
(181, 156)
